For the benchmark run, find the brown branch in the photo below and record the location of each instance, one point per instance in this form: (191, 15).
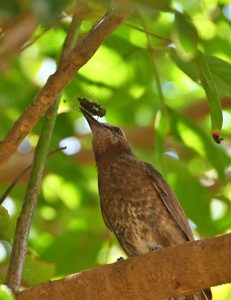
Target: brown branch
(175, 271)
(15, 34)
(84, 50)
(19, 248)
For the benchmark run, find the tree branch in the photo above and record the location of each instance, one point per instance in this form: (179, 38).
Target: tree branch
(176, 271)
(19, 249)
(83, 51)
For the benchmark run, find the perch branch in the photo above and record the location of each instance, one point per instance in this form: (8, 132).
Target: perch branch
(176, 271)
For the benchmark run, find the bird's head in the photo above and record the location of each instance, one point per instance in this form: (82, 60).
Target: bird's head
(108, 140)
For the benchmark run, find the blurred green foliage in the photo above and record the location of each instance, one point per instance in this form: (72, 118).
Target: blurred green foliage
(68, 234)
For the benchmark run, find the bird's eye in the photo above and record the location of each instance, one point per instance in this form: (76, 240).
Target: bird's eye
(117, 130)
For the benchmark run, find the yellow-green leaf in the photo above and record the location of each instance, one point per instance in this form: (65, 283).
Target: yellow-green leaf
(185, 37)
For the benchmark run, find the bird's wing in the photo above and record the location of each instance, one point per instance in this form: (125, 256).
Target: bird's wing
(101, 188)
(169, 200)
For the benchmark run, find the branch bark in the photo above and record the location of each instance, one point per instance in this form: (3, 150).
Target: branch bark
(19, 248)
(176, 271)
(83, 51)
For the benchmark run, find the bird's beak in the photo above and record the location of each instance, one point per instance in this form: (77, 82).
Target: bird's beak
(90, 119)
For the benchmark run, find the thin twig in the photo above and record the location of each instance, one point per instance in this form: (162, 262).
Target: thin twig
(157, 36)
(71, 38)
(31, 42)
(24, 171)
(38, 36)
(162, 122)
(155, 71)
(19, 248)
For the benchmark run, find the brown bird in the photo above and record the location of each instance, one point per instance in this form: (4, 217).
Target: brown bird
(136, 202)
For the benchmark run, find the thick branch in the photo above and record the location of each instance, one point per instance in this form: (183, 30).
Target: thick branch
(85, 49)
(173, 271)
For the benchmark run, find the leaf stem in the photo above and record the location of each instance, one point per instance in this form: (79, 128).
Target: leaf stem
(161, 119)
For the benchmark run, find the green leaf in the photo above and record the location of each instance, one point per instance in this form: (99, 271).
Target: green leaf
(221, 71)
(188, 68)
(211, 91)
(200, 71)
(5, 293)
(185, 37)
(195, 138)
(4, 224)
(160, 130)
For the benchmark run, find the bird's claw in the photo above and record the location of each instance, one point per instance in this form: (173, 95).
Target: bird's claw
(155, 247)
(120, 259)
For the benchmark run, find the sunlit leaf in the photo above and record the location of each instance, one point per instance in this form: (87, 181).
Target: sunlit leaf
(194, 137)
(188, 68)
(221, 71)
(211, 92)
(200, 72)
(5, 293)
(185, 37)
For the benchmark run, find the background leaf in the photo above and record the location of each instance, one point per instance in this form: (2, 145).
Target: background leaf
(185, 37)
(211, 91)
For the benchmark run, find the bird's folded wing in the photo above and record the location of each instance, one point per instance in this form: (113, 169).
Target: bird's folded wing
(169, 200)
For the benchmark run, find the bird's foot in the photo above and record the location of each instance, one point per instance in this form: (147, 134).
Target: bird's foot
(155, 247)
(120, 259)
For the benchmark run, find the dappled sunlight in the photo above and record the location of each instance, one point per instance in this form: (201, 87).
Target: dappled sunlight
(56, 189)
(218, 209)
(10, 206)
(163, 76)
(25, 146)
(47, 68)
(82, 127)
(3, 252)
(114, 72)
(72, 144)
(227, 12)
